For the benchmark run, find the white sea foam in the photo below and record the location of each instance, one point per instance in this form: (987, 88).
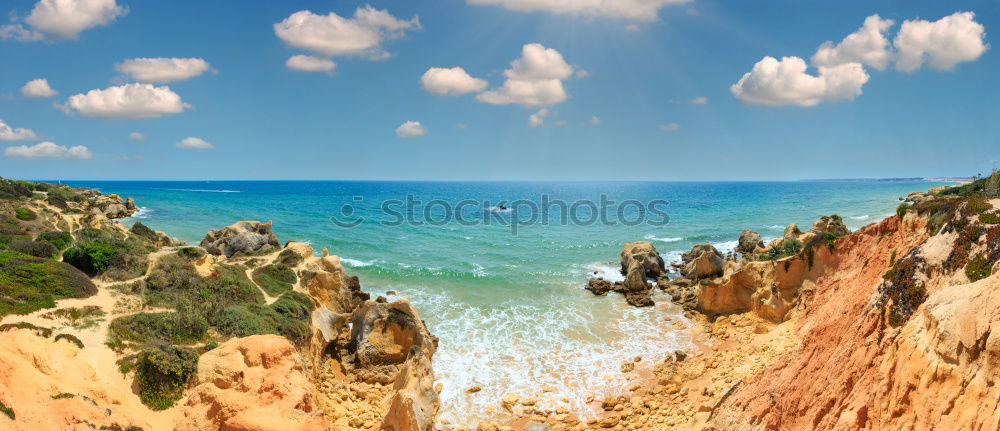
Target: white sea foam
(776, 227)
(499, 210)
(142, 213)
(606, 271)
(860, 217)
(356, 263)
(670, 239)
(574, 345)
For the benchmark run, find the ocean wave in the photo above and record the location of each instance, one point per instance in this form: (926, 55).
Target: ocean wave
(775, 227)
(670, 239)
(354, 263)
(860, 217)
(604, 270)
(142, 212)
(499, 210)
(517, 346)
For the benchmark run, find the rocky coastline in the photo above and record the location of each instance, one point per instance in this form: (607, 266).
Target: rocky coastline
(103, 327)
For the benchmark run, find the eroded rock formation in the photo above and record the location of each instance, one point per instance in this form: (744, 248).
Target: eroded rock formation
(248, 237)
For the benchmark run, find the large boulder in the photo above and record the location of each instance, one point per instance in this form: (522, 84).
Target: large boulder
(599, 286)
(111, 206)
(253, 384)
(703, 261)
(833, 225)
(749, 242)
(251, 237)
(645, 255)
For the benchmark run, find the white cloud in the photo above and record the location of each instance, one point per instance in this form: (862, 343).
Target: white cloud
(671, 127)
(538, 118)
(192, 143)
(786, 82)
(38, 88)
(162, 70)
(636, 10)
(595, 120)
(129, 101)
(453, 81)
(941, 44)
(411, 129)
(8, 133)
(62, 19)
(535, 79)
(868, 45)
(308, 63)
(702, 100)
(332, 35)
(136, 136)
(48, 150)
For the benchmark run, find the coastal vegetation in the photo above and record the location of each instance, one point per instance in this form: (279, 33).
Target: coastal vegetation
(162, 373)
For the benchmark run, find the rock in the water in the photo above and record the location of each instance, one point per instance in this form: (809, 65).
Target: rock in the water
(703, 261)
(242, 237)
(112, 206)
(599, 286)
(639, 299)
(645, 255)
(749, 242)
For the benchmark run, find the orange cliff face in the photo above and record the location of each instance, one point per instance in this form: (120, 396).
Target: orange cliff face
(854, 371)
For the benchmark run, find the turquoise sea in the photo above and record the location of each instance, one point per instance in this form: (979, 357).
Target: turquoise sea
(510, 309)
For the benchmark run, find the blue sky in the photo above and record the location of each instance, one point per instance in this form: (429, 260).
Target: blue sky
(636, 73)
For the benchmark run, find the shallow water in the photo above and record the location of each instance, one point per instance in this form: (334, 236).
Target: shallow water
(510, 310)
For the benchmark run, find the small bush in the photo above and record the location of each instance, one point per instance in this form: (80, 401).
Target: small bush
(60, 240)
(163, 372)
(289, 257)
(63, 396)
(38, 330)
(275, 279)
(98, 252)
(978, 268)
(789, 247)
(71, 338)
(182, 327)
(7, 411)
(976, 206)
(901, 292)
(901, 210)
(33, 248)
(990, 218)
(25, 214)
(192, 253)
(77, 317)
(57, 202)
(295, 305)
(144, 232)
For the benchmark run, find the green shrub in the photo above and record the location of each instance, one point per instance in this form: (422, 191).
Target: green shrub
(57, 202)
(144, 231)
(98, 252)
(901, 292)
(29, 283)
(65, 193)
(7, 411)
(976, 206)
(33, 248)
(182, 327)
(289, 257)
(294, 305)
(788, 247)
(59, 239)
(192, 253)
(246, 320)
(25, 214)
(990, 218)
(77, 317)
(275, 279)
(71, 338)
(14, 189)
(162, 373)
(63, 396)
(38, 330)
(978, 268)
